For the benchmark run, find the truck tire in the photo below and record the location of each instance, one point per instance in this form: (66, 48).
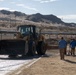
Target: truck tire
(41, 48)
(31, 49)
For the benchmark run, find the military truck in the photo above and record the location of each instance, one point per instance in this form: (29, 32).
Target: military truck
(28, 41)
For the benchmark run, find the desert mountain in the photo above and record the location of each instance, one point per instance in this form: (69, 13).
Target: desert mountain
(44, 18)
(18, 17)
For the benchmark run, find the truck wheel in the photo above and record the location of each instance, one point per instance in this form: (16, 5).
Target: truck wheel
(31, 51)
(41, 48)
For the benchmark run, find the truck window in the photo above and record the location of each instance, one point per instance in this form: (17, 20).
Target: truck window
(31, 29)
(37, 30)
(24, 30)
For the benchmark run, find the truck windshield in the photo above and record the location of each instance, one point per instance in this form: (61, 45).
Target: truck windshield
(24, 30)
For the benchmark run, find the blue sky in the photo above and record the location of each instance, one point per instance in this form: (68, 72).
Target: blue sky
(64, 9)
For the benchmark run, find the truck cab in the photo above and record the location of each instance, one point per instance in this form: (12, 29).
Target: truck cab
(29, 30)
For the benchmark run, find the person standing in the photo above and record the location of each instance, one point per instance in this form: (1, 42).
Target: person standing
(62, 46)
(72, 45)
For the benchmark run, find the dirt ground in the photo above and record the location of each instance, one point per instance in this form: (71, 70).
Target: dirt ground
(50, 64)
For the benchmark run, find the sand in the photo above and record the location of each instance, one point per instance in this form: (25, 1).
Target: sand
(50, 64)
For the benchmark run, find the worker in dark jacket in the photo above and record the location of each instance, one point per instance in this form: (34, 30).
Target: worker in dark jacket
(72, 45)
(62, 46)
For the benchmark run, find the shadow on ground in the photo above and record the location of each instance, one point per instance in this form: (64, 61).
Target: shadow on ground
(69, 61)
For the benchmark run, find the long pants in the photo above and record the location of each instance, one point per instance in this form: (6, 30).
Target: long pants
(62, 53)
(65, 50)
(73, 51)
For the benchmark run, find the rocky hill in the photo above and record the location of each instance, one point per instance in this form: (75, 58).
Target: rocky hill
(6, 15)
(52, 22)
(5, 12)
(44, 18)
